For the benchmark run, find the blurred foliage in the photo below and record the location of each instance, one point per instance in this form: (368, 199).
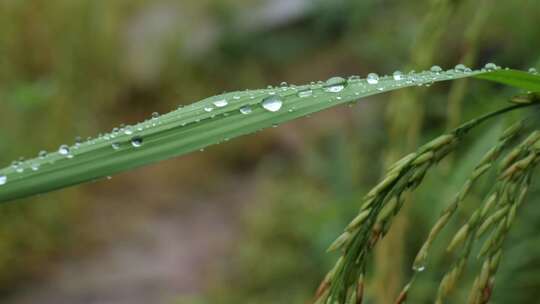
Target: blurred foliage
(76, 67)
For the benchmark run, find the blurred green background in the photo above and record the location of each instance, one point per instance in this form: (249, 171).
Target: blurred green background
(247, 221)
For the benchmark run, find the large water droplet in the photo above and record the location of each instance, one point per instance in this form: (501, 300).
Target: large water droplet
(221, 103)
(137, 141)
(372, 78)
(3, 180)
(335, 84)
(63, 150)
(397, 75)
(245, 110)
(533, 71)
(272, 103)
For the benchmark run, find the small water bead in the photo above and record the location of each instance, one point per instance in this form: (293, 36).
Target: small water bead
(305, 93)
(115, 146)
(372, 78)
(461, 68)
(34, 166)
(3, 180)
(63, 150)
(533, 71)
(283, 84)
(137, 141)
(155, 115)
(208, 109)
(335, 84)
(245, 110)
(222, 102)
(128, 131)
(397, 75)
(436, 69)
(272, 103)
(42, 154)
(491, 66)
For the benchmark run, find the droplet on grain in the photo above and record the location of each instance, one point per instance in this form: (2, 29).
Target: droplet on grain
(372, 78)
(272, 103)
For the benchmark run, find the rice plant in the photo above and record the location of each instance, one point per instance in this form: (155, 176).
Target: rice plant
(222, 117)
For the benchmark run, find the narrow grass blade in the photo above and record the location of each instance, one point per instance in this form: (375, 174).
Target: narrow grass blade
(206, 123)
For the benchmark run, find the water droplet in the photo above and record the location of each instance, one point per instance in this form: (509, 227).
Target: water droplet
(115, 146)
(63, 150)
(419, 268)
(491, 66)
(335, 84)
(305, 93)
(155, 115)
(272, 103)
(397, 75)
(208, 109)
(284, 84)
(533, 71)
(372, 78)
(245, 110)
(221, 103)
(42, 154)
(136, 141)
(436, 69)
(34, 166)
(3, 180)
(128, 131)
(461, 68)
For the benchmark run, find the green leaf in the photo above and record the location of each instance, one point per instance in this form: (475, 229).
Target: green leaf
(206, 123)
(518, 79)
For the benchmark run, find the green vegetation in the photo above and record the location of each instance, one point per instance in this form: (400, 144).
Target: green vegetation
(75, 68)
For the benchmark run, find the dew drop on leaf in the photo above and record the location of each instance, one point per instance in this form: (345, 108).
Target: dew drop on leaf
(245, 110)
(208, 109)
(221, 103)
(436, 69)
(335, 84)
(136, 141)
(397, 75)
(63, 150)
(305, 93)
(272, 103)
(3, 180)
(372, 78)
(533, 71)
(491, 66)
